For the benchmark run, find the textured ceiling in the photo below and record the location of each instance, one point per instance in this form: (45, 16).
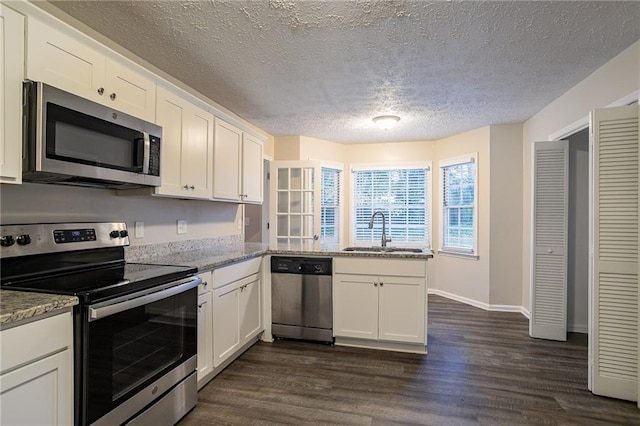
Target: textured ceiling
(325, 68)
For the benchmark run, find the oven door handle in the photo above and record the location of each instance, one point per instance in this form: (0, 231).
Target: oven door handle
(115, 307)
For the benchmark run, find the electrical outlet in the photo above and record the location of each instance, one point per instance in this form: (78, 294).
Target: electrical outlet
(139, 229)
(182, 226)
(247, 221)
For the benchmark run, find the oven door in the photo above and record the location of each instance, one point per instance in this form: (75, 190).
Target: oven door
(136, 349)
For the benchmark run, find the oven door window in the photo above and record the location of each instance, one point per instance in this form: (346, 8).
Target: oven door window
(80, 138)
(129, 350)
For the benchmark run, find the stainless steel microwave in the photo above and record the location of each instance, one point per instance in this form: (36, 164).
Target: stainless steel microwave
(71, 140)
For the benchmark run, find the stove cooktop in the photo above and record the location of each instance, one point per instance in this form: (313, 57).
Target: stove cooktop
(102, 282)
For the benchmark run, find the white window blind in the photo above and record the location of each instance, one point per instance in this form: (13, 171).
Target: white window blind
(458, 179)
(402, 194)
(330, 205)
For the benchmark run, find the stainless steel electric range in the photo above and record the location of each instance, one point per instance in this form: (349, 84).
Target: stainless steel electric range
(134, 328)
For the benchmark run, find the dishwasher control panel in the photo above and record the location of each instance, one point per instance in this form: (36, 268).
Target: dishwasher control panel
(301, 265)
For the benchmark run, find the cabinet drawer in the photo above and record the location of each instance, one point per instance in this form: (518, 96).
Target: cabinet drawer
(372, 266)
(24, 343)
(234, 272)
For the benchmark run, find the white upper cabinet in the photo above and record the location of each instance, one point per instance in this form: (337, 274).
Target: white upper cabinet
(187, 148)
(252, 163)
(226, 164)
(11, 76)
(67, 60)
(237, 168)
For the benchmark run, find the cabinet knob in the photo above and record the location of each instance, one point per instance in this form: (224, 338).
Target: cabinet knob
(375, 284)
(101, 91)
(192, 187)
(381, 284)
(112, 96)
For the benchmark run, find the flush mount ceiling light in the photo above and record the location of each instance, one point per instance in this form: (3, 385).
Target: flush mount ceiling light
(386, 122)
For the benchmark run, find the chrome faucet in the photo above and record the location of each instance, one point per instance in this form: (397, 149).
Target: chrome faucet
(385, 240)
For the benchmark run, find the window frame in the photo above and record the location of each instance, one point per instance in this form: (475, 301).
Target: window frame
(442, 165)
(427, 165)
(339, 168)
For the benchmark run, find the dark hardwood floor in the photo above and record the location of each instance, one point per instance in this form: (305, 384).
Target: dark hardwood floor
(482, 368)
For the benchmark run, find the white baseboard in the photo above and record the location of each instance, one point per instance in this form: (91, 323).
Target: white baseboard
(578, 328)
(481, 305)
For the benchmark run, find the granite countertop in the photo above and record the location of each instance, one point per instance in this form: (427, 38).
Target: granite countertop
(18, 305)
(338, 250)
(209, 259)
(21, 305)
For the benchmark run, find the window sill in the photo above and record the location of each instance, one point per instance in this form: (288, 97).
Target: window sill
(469, 256)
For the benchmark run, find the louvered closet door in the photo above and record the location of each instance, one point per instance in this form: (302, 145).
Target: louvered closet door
(615, 257)
(550, 207)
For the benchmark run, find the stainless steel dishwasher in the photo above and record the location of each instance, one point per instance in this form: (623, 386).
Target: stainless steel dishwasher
(301, 302)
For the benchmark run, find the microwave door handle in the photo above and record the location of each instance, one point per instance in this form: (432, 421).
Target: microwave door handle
(146, 153)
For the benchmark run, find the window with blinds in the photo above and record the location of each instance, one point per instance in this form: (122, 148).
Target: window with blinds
(402, 194)
(330, 205)
(459, 187)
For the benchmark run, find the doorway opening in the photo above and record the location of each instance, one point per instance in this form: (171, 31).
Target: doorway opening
(578, 233)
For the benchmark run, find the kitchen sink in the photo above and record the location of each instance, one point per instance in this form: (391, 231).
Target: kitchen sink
(378, 249)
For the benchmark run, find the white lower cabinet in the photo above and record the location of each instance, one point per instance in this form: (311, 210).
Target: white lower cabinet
(236, 316)
(205, 328)
(380, 300)
(36, 379)
(229, 315)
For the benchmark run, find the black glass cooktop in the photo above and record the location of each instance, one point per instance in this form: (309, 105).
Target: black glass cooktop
(92, 284)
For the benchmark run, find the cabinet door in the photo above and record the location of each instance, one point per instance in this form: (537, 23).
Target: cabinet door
(250, 312)
(187, 147)
(64, 60)
(355, 306)
(39, 393)
(197, 153)
(251, 169)
(226, 166)
(11, 76)
(205, 334)
(402, 309)
(226, 323)
(171, 114)
(130, 92)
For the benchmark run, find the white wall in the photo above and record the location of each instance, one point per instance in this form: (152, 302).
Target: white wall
(37, 203)
(467, 278)
(506, 214)
(614, 80)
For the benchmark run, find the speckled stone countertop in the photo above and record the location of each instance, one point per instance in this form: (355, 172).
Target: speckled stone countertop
(206, 255)
(21, 305)
(208, 259)
(336, 250)
(216, 256)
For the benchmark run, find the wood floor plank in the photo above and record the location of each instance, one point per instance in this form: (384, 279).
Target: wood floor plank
(482, 369)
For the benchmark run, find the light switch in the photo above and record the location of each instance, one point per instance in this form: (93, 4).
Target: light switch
(182, 226)
(139, 229)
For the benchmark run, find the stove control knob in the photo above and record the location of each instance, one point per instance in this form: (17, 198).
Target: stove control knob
(7, 241)
(114, 234)
(124, 233)
(23, 239)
